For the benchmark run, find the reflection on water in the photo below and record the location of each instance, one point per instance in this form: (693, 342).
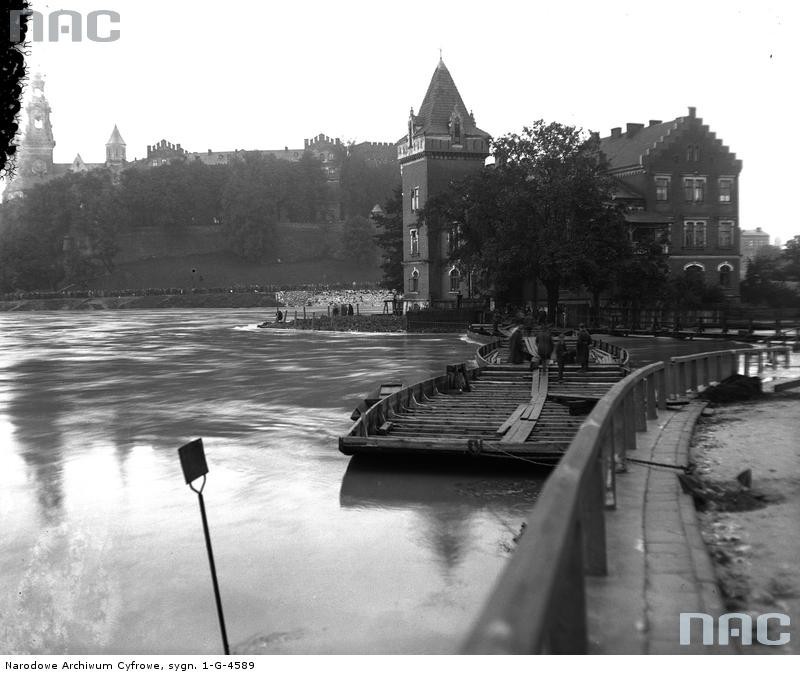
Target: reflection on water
(102, 545)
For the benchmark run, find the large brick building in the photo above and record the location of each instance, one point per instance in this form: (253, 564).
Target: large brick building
(442, 143)
(680, 184)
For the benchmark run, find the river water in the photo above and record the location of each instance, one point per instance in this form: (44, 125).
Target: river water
(316, 553)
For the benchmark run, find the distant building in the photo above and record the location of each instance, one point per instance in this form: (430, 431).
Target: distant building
(751, 241)
(35, 162)
(442, 143)
(680, 185)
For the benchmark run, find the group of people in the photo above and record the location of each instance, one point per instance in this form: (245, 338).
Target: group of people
(546, 347)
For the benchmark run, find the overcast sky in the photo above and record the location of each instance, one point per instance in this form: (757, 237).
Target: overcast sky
(264, 74)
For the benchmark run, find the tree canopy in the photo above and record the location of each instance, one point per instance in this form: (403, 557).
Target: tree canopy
(542, 211)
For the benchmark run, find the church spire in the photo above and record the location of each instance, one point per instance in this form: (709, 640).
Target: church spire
(115, 148)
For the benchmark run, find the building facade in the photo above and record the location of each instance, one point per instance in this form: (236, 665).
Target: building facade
(680, 186)
(751, 241)
(442, 143)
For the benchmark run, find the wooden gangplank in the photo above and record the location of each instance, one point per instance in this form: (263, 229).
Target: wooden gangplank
(496, 410)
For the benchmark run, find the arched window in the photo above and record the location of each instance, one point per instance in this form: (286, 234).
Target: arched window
(457, 131)
(725, 275)
(455, 280)
(414, 281)
(695, 271)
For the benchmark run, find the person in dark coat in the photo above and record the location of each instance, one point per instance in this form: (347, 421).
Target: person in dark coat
(561, 355)
(584, 344)
(544, 346)
(516, 351)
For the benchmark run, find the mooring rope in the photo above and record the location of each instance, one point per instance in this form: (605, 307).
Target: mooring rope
(686, 468)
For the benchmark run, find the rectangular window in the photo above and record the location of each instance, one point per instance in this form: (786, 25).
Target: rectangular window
(726, 190)
(455, 281)
(694, 190)
(662, 188)
(414, 242)
(415, 199)
(694, 234)
(725, 234)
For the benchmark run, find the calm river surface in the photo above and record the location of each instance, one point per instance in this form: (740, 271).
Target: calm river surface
(102, 542)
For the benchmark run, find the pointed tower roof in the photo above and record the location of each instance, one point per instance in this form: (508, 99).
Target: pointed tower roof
(441, 101)
(116, 138)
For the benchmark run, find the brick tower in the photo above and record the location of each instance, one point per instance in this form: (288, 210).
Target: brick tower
(442, 144)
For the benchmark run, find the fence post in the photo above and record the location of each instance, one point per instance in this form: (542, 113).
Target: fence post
(592, 514)
(618, 432)
(567, 633)
(609, 468)
(746, 364)
(650, 387)
(760, 362)
(629, 418)
(639, 394)
(661, 380)
(693, 368)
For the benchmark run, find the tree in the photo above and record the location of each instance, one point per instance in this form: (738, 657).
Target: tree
(12, 72)
(543, 211)
(359, 240)
(250, 207)
(363, 184)
(389, 238)
(765, 281)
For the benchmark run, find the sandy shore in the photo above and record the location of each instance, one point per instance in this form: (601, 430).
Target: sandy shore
(757, 552)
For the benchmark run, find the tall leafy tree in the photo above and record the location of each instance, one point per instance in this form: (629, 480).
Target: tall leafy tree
(389, 238)
(12, 72)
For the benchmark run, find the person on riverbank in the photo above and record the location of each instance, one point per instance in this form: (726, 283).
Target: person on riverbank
(584, 344)
(561, 355)
(516, 351)
(544, 346)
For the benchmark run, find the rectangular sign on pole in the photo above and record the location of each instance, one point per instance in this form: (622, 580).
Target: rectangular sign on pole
(193, 460)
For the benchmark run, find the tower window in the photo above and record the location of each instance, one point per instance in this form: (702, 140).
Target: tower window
(457, 131)
(455, 280)
(414, 234)
(414, 281)
(38, 123)
(415, 198)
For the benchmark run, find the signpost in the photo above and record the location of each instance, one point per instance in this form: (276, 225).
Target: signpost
(193, 463)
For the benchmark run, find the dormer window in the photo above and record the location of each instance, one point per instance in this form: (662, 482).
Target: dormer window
(455, 129)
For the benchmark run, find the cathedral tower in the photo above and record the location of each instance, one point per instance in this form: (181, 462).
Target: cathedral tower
(36, 149)
(442, 144)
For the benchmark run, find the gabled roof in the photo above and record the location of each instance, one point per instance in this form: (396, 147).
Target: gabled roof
(630, 149)
(627, 151)
(441, 101)
(116, 138)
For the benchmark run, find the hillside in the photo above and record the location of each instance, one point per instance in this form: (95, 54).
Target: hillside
(223, 269)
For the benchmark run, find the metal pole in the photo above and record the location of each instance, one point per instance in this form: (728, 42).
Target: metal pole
(213, 573)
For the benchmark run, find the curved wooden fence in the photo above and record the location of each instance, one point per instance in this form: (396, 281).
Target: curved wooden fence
(538, 605)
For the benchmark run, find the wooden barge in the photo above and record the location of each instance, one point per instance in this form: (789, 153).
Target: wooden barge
(488, 408)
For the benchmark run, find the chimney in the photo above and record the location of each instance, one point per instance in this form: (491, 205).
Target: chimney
(209, 151)
(652, 123)
(616, 132)
(286, 148)
(692, 111)
(632, 128)
(594, 135)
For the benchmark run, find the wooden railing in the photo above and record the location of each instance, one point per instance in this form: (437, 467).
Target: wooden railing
(538, 605)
